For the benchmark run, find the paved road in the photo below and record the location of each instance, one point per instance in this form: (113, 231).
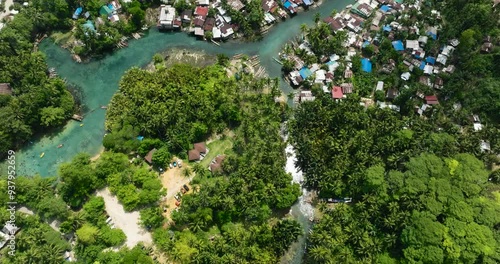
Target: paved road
(6, 12)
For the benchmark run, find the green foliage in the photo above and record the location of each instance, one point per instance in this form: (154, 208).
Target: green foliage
(87, 234)
(78, 180)
(222, 60)
(52, 116)
(123, 139)
(37, 242)
(112, 237)
(207, 92)
(38, 101)
(427, 214)
(136, 187)
(94, 210)
(151, 218)
(161, 157)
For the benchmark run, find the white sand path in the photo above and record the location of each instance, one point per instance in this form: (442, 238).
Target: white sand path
(126, 221)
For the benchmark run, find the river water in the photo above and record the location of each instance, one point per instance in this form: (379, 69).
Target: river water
(98, 81)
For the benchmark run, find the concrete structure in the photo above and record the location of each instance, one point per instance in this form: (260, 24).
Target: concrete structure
(167, 16)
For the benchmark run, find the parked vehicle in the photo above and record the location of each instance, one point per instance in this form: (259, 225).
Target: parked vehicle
(186, 187)
(177, 197)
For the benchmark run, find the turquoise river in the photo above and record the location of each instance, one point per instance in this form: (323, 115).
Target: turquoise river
(98, 81)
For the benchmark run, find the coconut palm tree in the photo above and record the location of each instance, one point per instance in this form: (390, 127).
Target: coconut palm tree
(186, 172)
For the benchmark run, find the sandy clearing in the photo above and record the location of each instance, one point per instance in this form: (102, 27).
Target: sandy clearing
(126, 221)
(173, 181)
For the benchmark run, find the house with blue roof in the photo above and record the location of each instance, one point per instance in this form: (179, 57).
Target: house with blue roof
(430, 60)
(77, 13)
(366, 65)
(398, 45)
(305, 72)
(422, 65)
(387, 28)
(385, 8)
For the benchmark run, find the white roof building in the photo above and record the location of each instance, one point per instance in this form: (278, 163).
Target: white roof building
(380, 86)
(216, 33)
(412, 44)
(423, 40)
(167, 15)
(320, 76)
(448, 50)
(203, 2)
(454, 42)
(428, 69)
(441, 59)
(405, 76)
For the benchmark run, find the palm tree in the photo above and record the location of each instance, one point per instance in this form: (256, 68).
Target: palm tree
(334, 13)
(186, 172)
(198, 169)
(317, 18)
(53, 254)
(303, 28)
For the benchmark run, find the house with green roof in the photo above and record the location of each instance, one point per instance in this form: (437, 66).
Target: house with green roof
(105, 10)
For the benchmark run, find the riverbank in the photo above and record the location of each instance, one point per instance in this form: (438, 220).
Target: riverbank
(98, 81)
(173, 56)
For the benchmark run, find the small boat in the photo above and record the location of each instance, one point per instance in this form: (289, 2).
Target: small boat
(60, 146)
(104, 107)
(43, 154)
(348, 6)
(81, 125)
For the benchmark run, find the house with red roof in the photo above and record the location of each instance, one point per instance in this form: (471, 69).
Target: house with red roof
(201, 11)
(431, 99)
(337, 92)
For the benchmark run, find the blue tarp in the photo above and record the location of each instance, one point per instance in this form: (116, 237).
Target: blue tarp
(77, 13)
(398, 45)
(140, 138)
(387, 28)
(431, 60)
(366, 65)
(366, 43)
(287, 4)
(434, 36)
(111, 7)
(385, 8)
(422, 65)
(308, 2)
(305, 72)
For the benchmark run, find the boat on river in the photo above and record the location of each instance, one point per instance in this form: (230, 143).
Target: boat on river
(43, 154)
(60, 146)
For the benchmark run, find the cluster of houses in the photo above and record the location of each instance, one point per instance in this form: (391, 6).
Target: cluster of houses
(220, 25)
(415, 51)
(109, 10)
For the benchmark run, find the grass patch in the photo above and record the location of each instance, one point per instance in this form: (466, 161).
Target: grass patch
(60, 37)
(219, 146)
